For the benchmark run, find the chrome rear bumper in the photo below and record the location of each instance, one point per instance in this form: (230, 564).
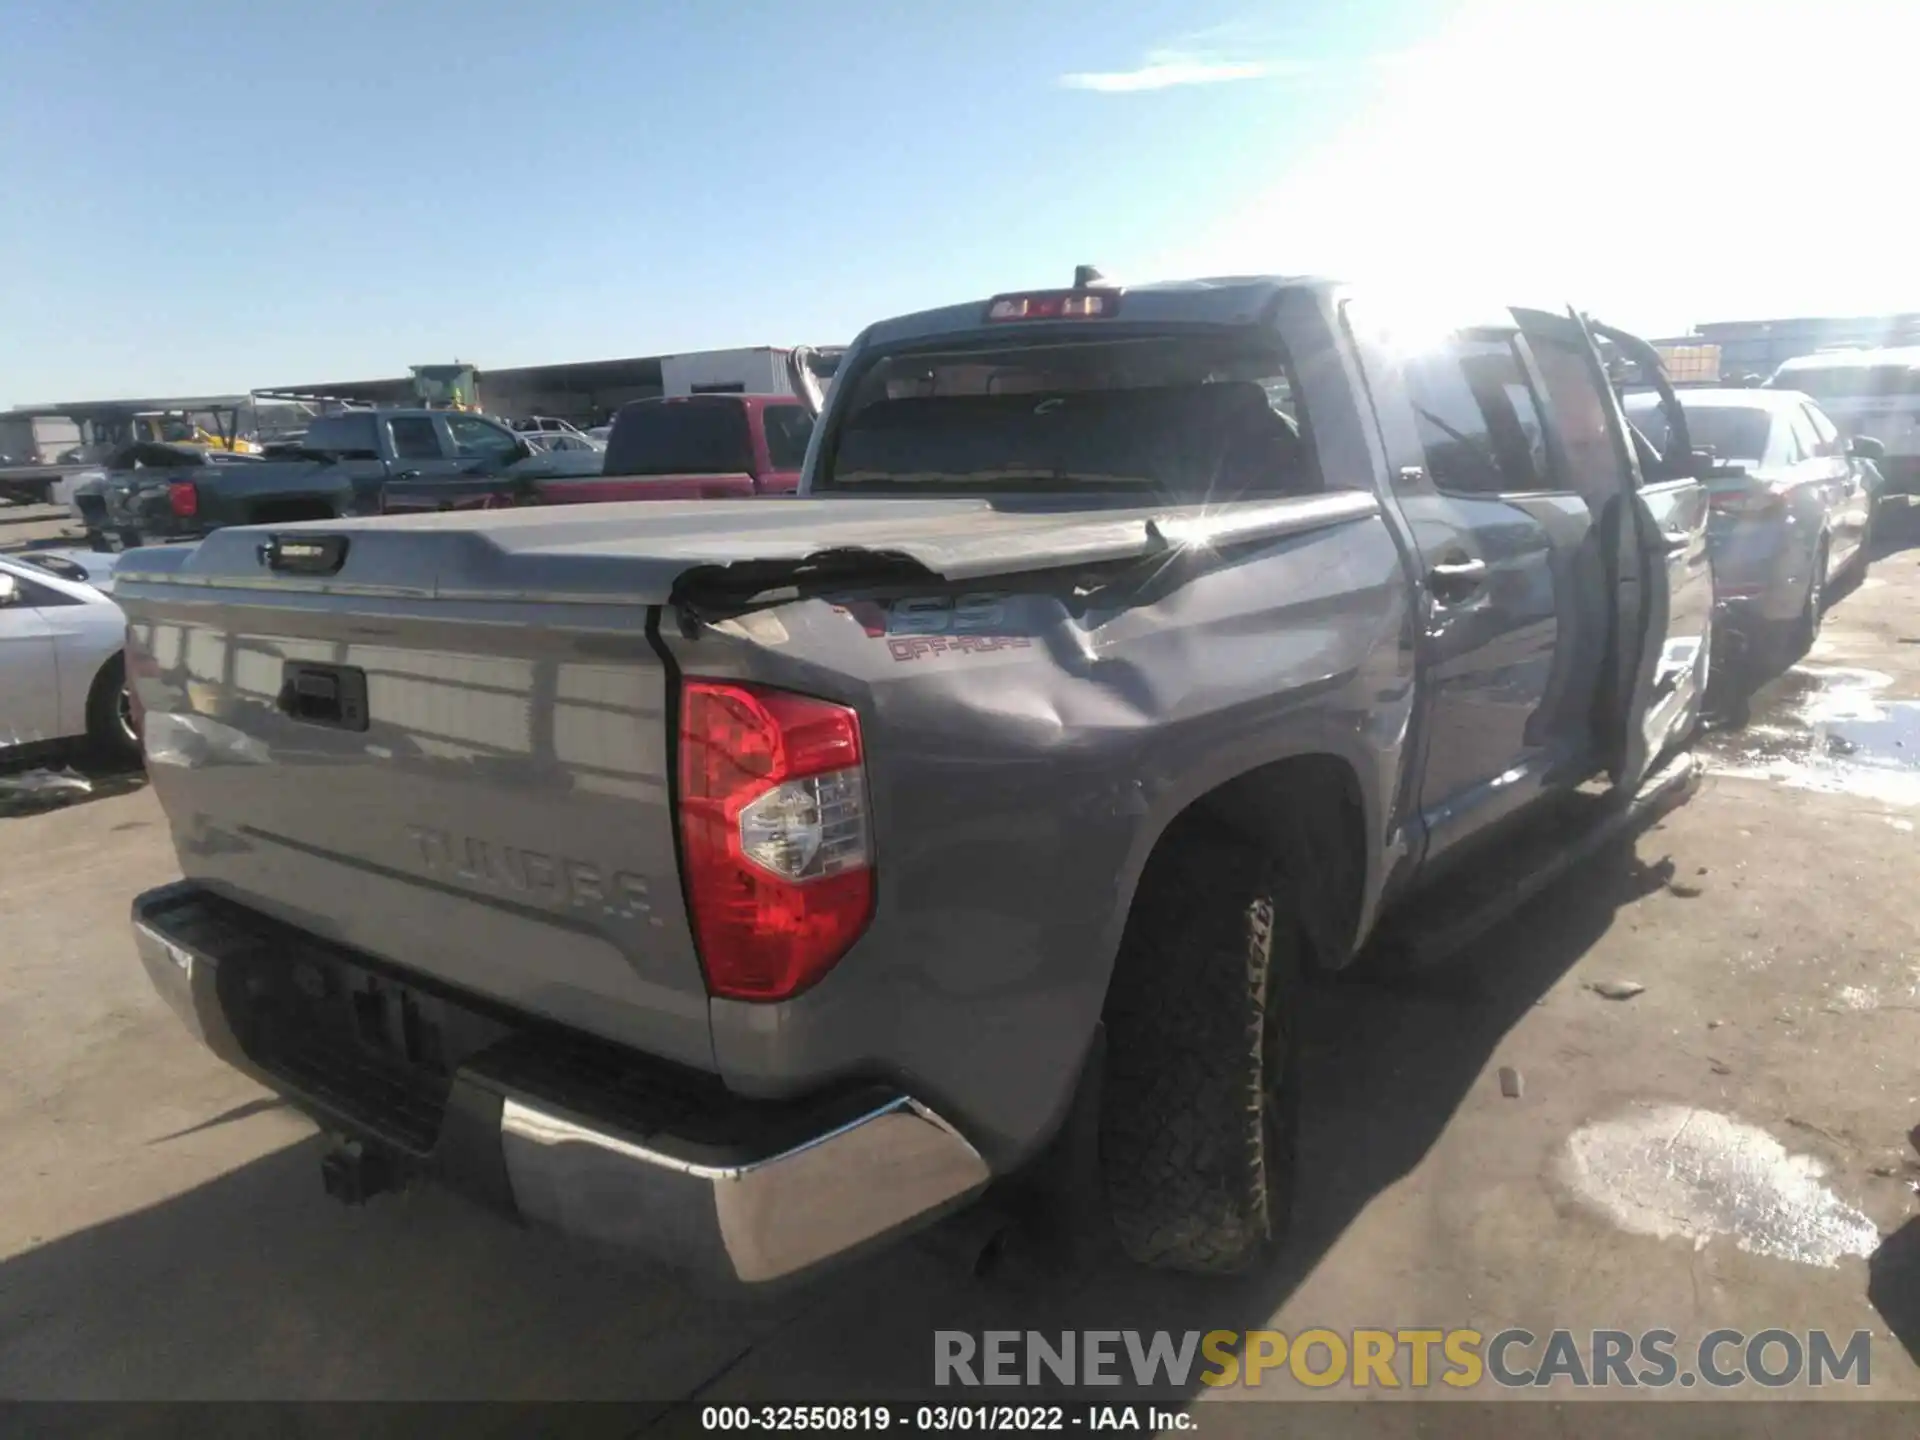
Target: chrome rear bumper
(740, 1192)
(879, 1174)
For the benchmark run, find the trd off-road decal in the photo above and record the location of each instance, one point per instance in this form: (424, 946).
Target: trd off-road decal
(924, 625)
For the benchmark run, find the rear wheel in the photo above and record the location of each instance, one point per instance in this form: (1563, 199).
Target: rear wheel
(1862, 560)
(1707, 688)
(1805, 629)
(111, 728)
(1199, 1101)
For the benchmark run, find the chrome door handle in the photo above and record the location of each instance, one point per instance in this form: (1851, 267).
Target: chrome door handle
(1456, 579)
(1677, 539)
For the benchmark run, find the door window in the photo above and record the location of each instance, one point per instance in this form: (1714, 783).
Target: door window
(1596, 469)
(475, 439)
(788, 429)
(1826, 436)
(414, 437)
(1802, 442)
(1477, 418)
(30, 594)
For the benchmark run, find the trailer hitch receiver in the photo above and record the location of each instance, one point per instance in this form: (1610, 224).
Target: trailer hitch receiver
(353, 1172)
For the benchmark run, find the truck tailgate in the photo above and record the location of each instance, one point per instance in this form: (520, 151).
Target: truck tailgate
(435, 783)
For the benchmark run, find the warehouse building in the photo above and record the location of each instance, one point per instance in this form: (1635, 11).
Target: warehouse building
(1759, 347)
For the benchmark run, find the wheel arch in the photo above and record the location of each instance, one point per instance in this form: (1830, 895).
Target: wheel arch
(100, 692)
(1314, 811)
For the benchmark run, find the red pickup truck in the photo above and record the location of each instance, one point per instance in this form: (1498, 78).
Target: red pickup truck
(695, 447)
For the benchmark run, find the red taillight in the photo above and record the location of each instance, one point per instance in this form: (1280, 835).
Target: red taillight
(1055, 305)
(774, 835)
(183, 497)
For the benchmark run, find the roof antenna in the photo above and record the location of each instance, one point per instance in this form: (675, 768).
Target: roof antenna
(1085, 277)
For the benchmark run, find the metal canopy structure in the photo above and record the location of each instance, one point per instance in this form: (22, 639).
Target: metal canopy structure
(79, 410)
(591, 386)
(583, 377)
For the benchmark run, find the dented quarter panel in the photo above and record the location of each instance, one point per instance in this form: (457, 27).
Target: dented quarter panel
(1017, 792)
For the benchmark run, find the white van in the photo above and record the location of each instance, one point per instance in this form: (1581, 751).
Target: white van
(1867, 392)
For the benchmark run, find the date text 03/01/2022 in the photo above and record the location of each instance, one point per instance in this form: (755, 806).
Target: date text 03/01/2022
(783, 1419)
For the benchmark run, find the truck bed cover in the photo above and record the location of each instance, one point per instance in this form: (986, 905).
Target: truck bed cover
(637, 555)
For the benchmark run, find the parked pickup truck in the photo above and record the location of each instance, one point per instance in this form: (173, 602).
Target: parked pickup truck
(693, 447)
(747, 884)
(368, 462)
(352, 462)
(703, 447)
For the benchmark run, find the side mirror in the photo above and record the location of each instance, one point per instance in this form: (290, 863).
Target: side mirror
(1865, 447)
(9, 590)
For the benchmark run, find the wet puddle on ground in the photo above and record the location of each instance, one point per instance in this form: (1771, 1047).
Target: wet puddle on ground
(1676, 1172)
(1829, 729)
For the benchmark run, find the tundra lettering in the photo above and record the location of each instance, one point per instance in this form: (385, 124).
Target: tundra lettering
(507, 867)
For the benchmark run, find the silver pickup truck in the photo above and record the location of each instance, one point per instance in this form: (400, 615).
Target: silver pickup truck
(748, 882)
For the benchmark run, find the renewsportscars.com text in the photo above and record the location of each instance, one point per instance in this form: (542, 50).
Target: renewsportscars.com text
(1402, 1359)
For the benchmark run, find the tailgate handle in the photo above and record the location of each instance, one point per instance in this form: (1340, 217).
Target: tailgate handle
(330, 695)
(304, 555)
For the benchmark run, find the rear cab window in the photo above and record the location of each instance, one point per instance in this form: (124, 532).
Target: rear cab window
(348, 435)
(680, 437)
(1160, 416)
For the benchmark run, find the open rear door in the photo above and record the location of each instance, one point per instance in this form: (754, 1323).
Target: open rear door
(803, 378)
(1674, 510)
(1651, 686)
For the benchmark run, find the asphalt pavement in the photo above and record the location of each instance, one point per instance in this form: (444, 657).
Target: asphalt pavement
(1500, 1143)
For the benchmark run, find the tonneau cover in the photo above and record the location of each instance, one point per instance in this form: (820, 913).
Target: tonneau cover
(635, 553)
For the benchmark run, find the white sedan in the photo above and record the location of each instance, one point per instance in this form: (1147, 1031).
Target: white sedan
(62, 675)
(558, 457)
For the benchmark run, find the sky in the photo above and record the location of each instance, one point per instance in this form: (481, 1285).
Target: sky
(216, 196)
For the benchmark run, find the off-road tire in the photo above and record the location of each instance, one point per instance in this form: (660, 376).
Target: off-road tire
(110, 731)
(1199, 1106)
